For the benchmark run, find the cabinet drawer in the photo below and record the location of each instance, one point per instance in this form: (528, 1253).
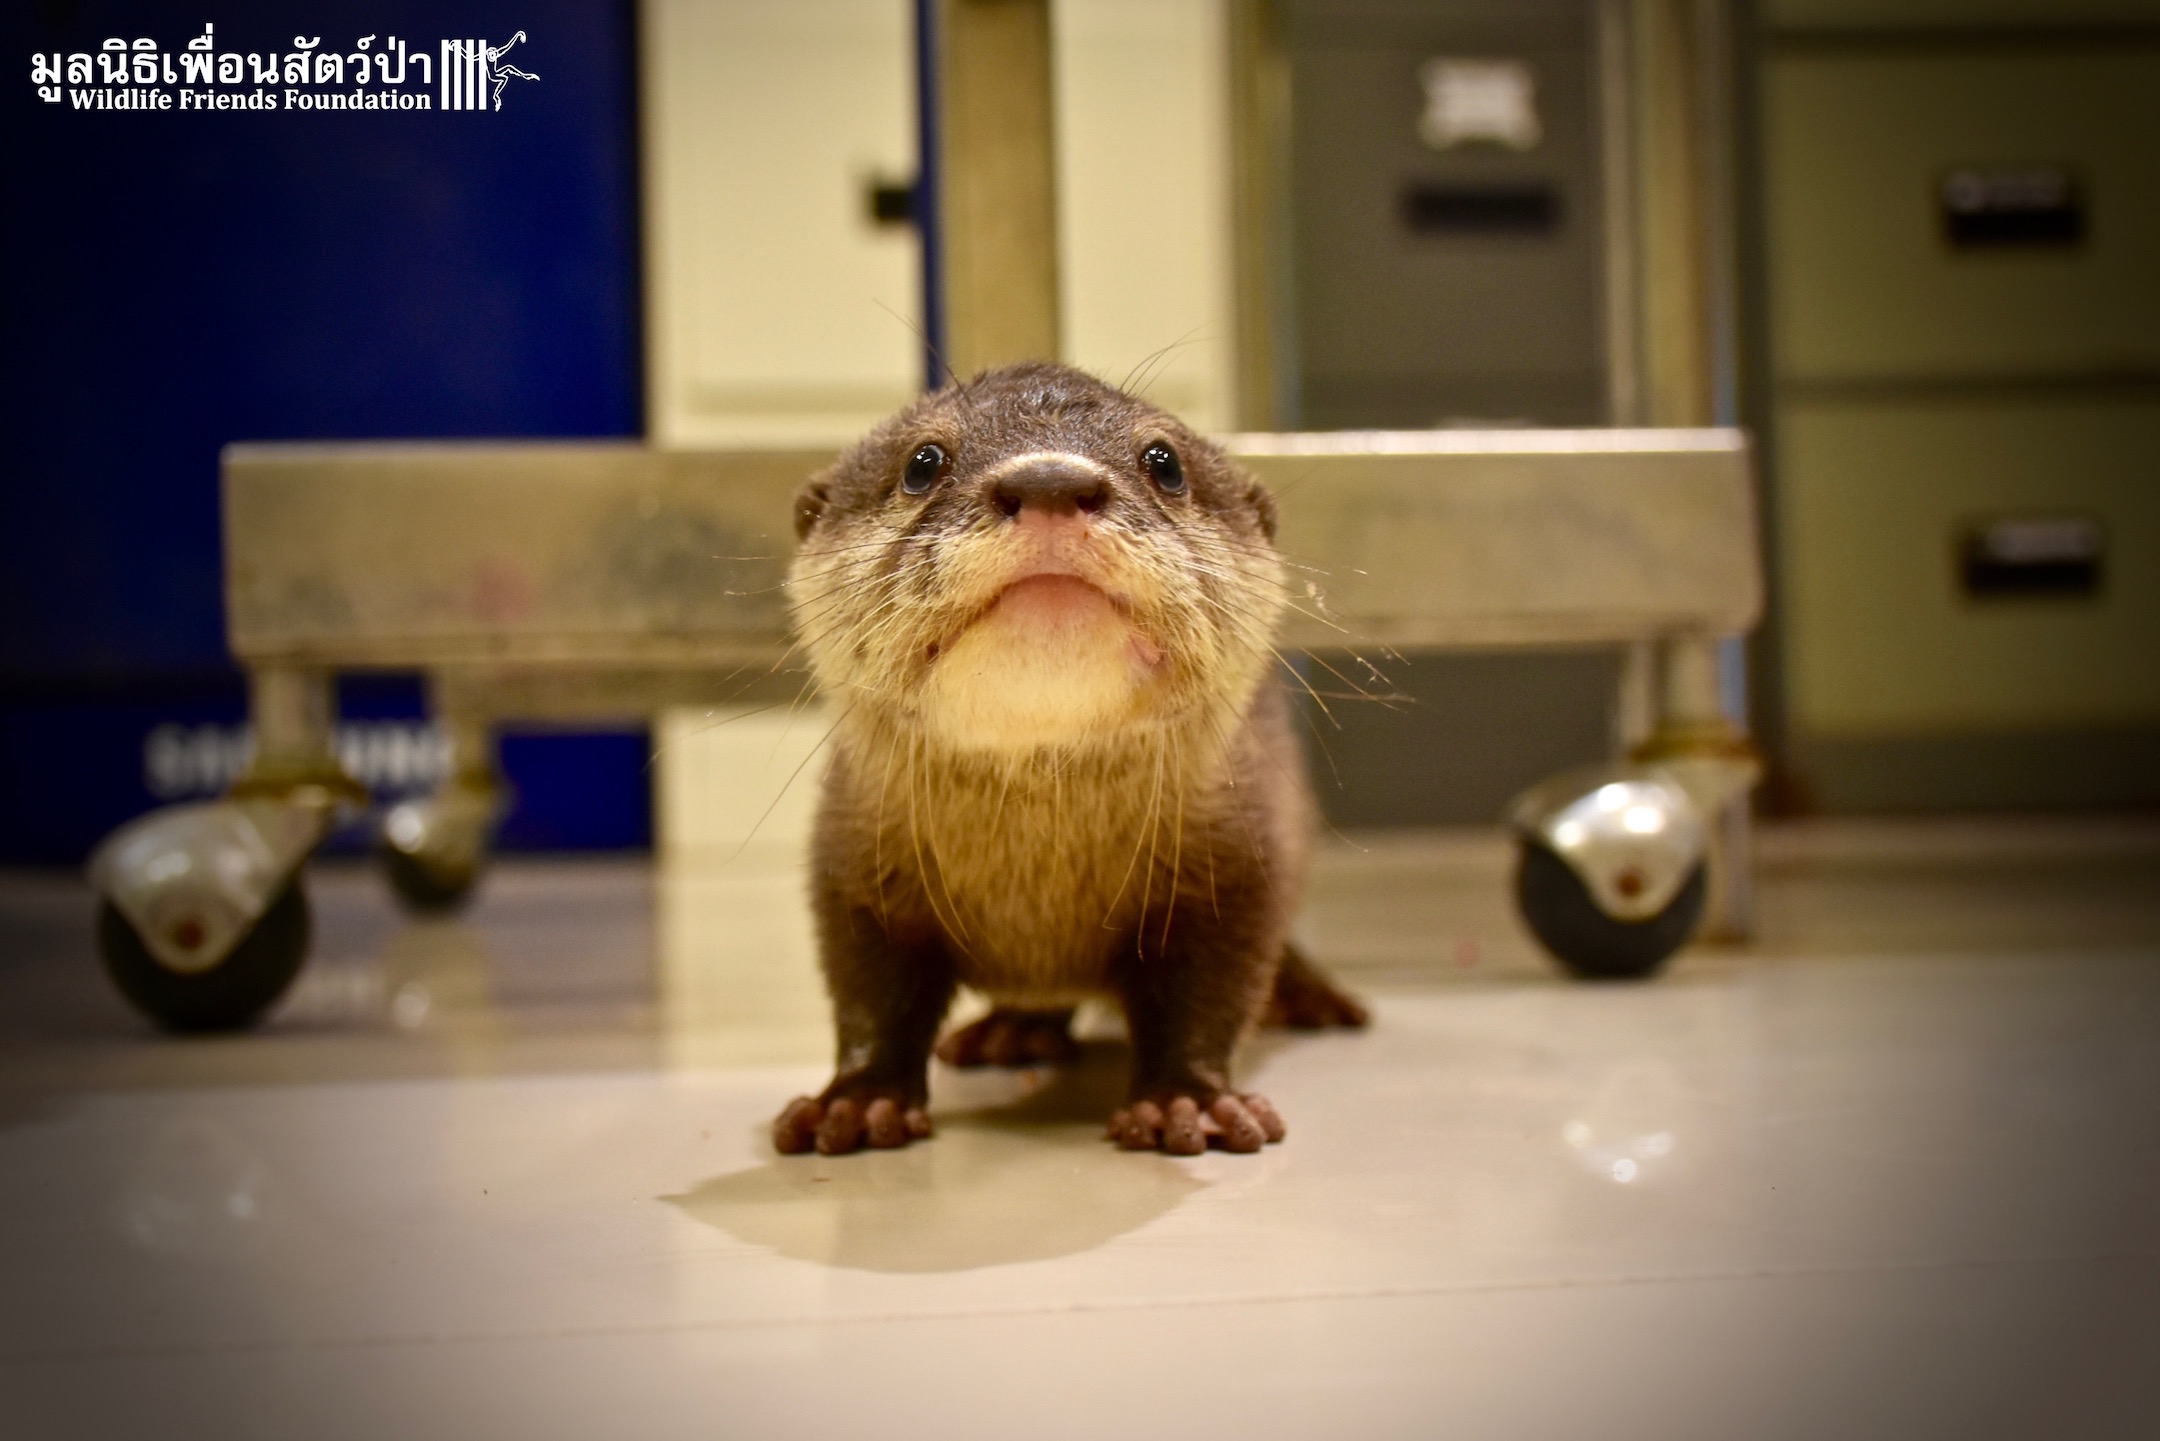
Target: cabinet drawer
(1890, 630)
(1914, 230)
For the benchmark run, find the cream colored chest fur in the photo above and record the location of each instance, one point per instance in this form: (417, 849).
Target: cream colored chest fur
(1041, 877)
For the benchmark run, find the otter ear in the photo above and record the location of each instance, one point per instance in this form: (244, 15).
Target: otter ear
(809, 506)
(1263, 504)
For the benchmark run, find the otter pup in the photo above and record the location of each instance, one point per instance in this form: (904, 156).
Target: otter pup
(1061, 766)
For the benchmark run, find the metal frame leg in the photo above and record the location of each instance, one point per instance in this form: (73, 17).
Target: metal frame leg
(1713, 757)
(436, 847)
(293, 711)
(457, 704)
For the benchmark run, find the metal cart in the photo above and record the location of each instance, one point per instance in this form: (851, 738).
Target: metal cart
(586, 582)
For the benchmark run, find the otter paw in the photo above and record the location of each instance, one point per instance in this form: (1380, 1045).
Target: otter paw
(1180, 1125)
(846, 1118)
(1008, 1037)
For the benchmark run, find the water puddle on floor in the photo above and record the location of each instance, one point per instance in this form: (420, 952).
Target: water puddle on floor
(1018, 1171)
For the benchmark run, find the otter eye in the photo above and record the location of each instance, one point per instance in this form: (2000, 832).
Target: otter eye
(1164, 467)
(923, 469)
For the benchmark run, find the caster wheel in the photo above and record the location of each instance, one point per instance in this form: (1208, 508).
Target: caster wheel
(424, 888)
(1590, 943)
(225, 997)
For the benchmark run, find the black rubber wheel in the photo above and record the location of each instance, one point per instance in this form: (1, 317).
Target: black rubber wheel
(232, 994)
(1591, 944)
(429, 890)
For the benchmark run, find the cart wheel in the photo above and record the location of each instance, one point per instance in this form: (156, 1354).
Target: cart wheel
(1590, 943)
(225, 997)
(423, 887)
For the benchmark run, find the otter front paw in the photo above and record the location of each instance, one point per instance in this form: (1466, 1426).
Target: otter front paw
(846, 1117)
(1179, 1124)
(1010, 1037)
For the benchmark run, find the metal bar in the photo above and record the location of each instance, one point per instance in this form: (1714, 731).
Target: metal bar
(615, 557)
(1260, 206)
(929, 193)
(997, 182)
(1667, 78)
(293, 710)
(1621, 287)
(1671, 168)
(1451, 539)
(565, 554)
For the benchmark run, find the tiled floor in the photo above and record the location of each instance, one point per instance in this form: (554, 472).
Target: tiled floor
(1892, 1172)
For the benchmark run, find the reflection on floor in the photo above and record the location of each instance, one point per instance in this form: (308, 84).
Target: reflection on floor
(1893, 1170)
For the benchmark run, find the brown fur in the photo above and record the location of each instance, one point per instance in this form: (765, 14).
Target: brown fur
(1114, 808)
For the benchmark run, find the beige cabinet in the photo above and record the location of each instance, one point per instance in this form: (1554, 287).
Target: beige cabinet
(1881, 637)
(1947, 16)
(1867, 283)
(777, 308)
(1963, 245)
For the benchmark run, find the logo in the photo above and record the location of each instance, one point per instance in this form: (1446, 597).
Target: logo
(468, 68)
(204, 760)
(377, 72)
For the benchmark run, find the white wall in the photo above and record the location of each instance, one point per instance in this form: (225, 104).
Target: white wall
(764, 121)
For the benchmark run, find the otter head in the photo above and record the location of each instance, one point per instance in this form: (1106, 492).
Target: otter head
(1033, 560)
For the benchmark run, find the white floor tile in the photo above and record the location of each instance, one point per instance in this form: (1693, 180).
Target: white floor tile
(1829, 1188)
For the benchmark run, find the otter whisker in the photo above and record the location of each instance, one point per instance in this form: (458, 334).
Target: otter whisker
(956, 926)
(1140, 835)
(786, 786)
(1163, 353)
(916, 330)
(877, 833)
(1177, 842)
(1154, 831)
(1299, 677)
(660, 747)
(1319, 660)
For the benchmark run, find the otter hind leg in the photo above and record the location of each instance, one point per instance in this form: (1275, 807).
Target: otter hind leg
(1305, 999)
(1009, 1036)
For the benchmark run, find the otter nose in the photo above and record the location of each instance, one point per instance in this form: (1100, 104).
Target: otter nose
(1056, 485)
